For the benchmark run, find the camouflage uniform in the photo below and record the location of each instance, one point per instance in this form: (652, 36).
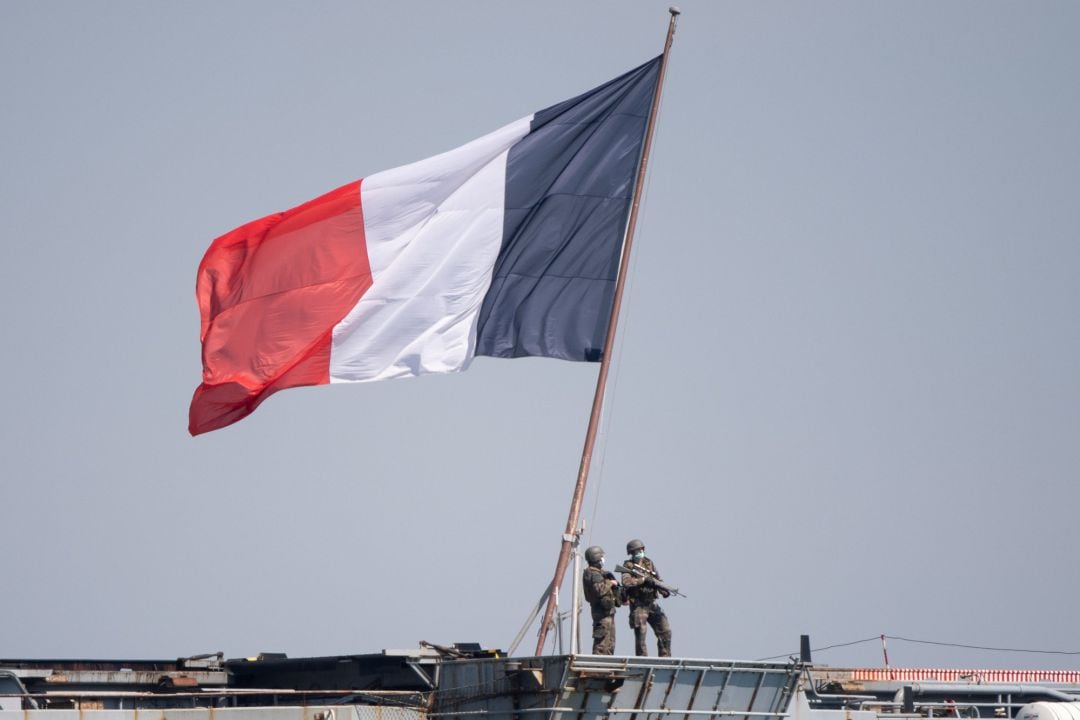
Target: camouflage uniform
(645, 610)
(603, 598)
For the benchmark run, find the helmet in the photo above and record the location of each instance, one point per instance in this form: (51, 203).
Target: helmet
(633, 546)
(594, 555)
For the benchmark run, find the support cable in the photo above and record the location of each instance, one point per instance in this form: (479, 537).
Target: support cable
(939, 643)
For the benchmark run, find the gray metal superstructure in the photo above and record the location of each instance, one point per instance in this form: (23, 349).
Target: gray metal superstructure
(469, 683)
(584, 687)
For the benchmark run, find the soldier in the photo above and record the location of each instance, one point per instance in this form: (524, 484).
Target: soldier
(641, 593)
(602, 591)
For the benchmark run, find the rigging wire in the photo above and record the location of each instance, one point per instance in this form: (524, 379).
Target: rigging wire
(822, 649)
(983, 647)
(877, 638)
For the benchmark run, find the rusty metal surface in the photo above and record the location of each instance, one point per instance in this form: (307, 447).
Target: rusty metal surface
(268, 679)
(206, 678)
(313, 712)
(57, 674)
(854, 677)
(214, 661)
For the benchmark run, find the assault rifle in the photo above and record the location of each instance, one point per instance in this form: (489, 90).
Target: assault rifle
(650, 578)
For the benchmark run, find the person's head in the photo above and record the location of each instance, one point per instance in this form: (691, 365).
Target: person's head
(635, 549)
(595, 556)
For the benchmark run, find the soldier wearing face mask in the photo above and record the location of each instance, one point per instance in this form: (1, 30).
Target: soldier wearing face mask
(602, 591)
(642, 594)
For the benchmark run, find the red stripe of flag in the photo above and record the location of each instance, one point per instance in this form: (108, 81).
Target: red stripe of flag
(270, 293)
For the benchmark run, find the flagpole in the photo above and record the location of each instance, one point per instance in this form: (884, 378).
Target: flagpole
(609, 346)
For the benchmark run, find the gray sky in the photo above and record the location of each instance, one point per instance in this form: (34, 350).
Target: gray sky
(846, 401)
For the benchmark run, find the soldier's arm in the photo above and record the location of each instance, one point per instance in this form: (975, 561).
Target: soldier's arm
(608, 599)
(656, 574)
(631, 580)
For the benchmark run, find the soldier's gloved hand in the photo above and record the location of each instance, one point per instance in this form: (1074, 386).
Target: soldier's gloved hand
(665, 593)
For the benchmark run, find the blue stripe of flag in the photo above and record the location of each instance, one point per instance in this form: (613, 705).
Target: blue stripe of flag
(568, 192)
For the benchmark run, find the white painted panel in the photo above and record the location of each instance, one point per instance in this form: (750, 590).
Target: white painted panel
(433, 231)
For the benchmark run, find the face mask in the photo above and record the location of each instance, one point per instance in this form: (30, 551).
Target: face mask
(639, 554)
(602, 561)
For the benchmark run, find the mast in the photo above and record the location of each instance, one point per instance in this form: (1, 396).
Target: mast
(575, 606)
(569, 536)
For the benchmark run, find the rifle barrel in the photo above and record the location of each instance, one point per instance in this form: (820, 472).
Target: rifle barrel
(642, 572)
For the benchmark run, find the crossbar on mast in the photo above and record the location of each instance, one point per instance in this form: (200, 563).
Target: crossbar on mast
(609, 345)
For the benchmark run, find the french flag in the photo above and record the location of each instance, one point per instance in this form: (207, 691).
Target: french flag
(507, 246)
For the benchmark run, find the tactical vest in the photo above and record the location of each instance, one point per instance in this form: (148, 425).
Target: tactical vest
(603, 601)
(644, 594)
